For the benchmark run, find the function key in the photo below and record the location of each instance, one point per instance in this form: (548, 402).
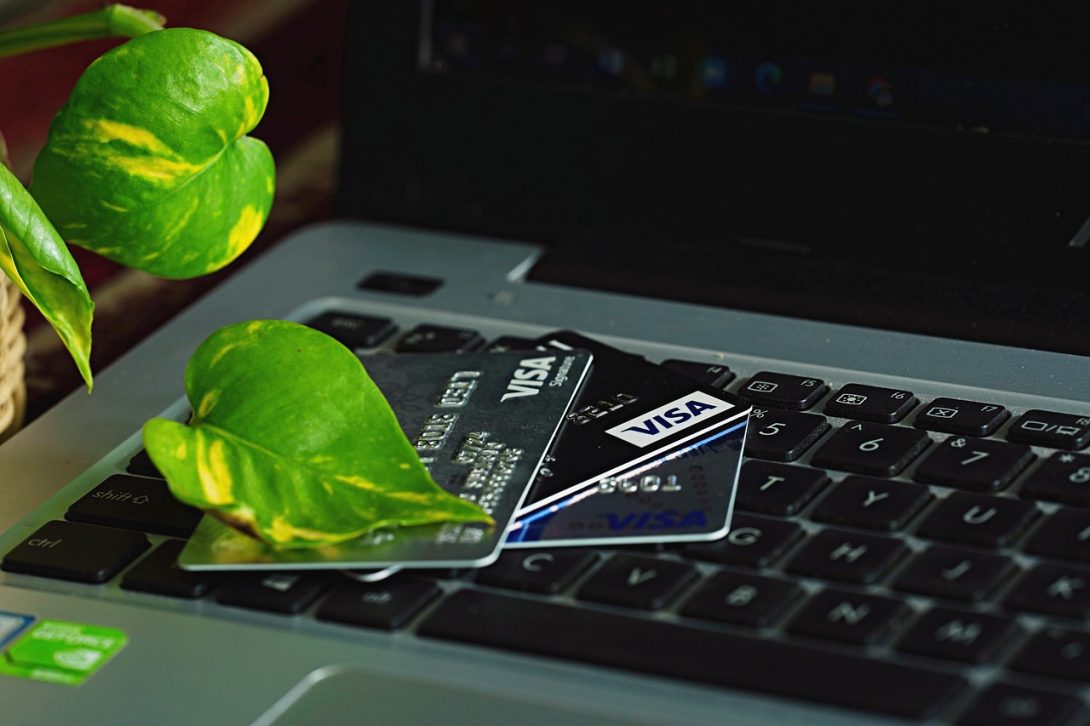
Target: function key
(981, 465)
(80, 552)
(506, 343)
(279, 592)
(777, 488)
(1048, 428)
(861, 501)
(1064, 477)
(1056, 652)
(870, 448)
(967, 418)
(710, 374)
(1005, 705)
(355, 332)
(544, 571)
(400, 283)
(1053, 590)
(782, 435)
(637, 582)
(795, 393)
(871, 403)
(387, 605)
(742, 599)
(847, 556)
(848, 617)
(134, 502)
(159, 573)
(751, 542)
(1065, 534)
(954, 573)
(142, 465)
(977, 519)
(971, 637)
(438, 339)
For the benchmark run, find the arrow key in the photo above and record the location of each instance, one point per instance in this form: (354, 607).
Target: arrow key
(637, 582)
(544, 571)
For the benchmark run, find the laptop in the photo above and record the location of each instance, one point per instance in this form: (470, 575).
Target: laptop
(872, 224)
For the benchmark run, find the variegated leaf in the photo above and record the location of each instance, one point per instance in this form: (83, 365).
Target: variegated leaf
(149, 163)
(292, 442)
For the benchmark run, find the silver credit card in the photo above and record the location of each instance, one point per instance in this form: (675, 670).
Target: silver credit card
(481, 423)
(686, 496)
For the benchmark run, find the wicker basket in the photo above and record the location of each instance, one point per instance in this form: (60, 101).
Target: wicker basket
(12, 348)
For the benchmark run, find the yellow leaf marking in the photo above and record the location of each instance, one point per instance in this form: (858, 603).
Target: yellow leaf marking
(114, 207)
(160, 164)
(153, 168)
(358, 481)
(214, 475)
(181, 450)
(209, 400)
(105, 131)
(280, 530)
(245, 229)
(415, 497)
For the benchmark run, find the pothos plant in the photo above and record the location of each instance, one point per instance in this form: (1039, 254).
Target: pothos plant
(149, 163)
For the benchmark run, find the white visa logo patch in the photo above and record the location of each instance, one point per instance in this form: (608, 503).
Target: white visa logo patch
(675, 416)
(529, 377)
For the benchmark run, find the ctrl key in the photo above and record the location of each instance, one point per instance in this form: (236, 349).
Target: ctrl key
(79, 552)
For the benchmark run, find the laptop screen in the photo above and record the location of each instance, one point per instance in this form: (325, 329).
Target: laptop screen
(912, 166)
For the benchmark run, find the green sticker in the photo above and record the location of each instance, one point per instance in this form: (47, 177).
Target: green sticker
(57, 651)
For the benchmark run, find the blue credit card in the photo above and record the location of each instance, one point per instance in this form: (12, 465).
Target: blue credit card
(481, 423)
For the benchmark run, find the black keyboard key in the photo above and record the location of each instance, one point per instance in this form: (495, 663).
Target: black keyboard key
(847, 556)
(881, 504)
(977, 519)
(741, 599)
(1063, 477)
(544, 571)
(1003, 704)
(980, 465)
(710, 374)
(954, 573)
(133, 502)
(751, 542)
(1056, 652)
(871, 448)
(142, 465)
(849, 617)
(1053, 590)
(388, 605)
(278, 592)
(400, 283)
(438, 339)
(970, 637)
(506, 343)
(355, 332)
(1052, 429)
(777, 488)
(689, 653)
(966, 418)
(1064, 534)
(159, 573)
(784, 391)
(871, 403)
(782, 435)
(80, 552)
(637, 582)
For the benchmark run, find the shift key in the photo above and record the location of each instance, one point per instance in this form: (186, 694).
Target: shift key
(134, 502)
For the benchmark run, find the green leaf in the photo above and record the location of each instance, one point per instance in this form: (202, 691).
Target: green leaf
(292, 442)
(34, 257)
(149, 163)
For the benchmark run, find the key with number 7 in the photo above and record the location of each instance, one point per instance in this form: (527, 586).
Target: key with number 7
(980, 465)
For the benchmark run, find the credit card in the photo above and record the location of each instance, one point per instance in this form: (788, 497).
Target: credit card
(687, 498)
(481, 423)
(629, 417)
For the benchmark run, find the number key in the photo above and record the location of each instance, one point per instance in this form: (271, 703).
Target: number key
(980, 465)
(438, 339)
(782, 435)
(1062, 478)
(870, 448)
(1048, 428)
(795, 393)
(871, 403)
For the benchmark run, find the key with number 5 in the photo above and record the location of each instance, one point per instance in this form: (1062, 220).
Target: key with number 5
(782, 435)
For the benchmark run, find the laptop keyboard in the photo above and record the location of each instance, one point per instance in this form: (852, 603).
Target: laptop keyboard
(916, 556)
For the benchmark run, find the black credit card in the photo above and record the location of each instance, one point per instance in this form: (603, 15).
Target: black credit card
(628, 418)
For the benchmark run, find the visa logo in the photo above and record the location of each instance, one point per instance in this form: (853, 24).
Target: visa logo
(528, 378)
(675, 416)
(656, 520)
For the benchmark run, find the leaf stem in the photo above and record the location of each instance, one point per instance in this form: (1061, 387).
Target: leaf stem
(110, 21)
